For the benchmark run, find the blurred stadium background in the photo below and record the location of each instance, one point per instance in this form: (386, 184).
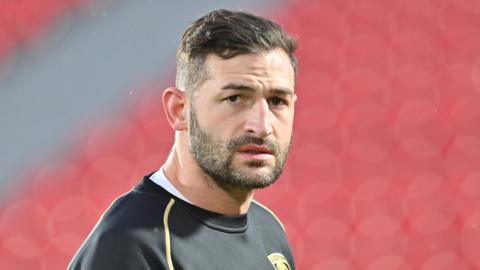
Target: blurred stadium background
(385, 169)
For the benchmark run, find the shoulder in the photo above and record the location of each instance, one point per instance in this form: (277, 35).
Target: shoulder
(117, 249)
(266, 214)
(134, 209)
(273, 234)
(128, 233)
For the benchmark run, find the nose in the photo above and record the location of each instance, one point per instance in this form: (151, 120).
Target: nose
(258, 122)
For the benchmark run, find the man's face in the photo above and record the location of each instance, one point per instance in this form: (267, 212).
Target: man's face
(241, 118)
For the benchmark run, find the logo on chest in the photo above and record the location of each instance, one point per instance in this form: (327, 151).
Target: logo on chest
(279, 262)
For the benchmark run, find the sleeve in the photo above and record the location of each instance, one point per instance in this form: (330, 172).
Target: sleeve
(120, 251)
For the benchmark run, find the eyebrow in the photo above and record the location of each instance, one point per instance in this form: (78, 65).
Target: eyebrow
(243, 87)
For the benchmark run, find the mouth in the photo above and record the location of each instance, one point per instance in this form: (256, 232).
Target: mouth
(255, 149)
(255, 152)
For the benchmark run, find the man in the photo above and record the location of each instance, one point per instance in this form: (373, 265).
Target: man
(232, 112)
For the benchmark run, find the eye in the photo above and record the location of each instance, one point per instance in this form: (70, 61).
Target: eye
(277, 101)
(233, 99)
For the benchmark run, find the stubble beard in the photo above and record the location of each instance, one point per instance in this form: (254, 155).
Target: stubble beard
(215, 158)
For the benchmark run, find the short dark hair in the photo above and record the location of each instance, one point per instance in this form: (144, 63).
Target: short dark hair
(226, 34)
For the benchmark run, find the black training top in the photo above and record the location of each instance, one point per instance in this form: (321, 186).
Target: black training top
(149, 228)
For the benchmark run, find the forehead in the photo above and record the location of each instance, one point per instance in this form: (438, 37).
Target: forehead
(271, 68)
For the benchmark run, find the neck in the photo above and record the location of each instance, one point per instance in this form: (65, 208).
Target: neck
(200, 189)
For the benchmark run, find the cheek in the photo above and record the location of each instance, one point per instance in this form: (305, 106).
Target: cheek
(284, 124)
(283, 136)
(229, 124)
(223, 129)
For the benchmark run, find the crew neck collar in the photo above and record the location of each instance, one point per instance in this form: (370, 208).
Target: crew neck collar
(217, 221)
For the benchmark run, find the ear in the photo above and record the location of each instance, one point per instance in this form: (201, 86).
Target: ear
(174, 102)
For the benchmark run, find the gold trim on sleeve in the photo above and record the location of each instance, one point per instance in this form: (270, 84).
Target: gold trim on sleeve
(168, 250)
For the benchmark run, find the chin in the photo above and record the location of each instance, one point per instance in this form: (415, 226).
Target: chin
(257, 173)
